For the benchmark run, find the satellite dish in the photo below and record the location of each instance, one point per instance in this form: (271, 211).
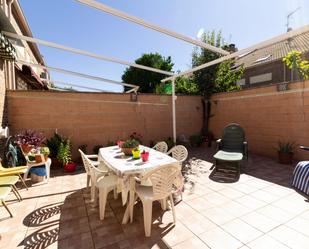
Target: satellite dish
(200, 33)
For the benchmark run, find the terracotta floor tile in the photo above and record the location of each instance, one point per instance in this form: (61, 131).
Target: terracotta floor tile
(290, 237)
(219, 239)
(218, 215)
(200, 204)
(231, 193)
(251, 202)
(236, 209)
(260, 222)
(198, 224)
(265, 196)
(266, 242)
(176, 235)
(241, 230)
(191, 243)
(216, 198)
(275, 213)
(59, 214)
(300, 225)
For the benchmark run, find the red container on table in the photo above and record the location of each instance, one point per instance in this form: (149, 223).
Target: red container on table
(145, 156)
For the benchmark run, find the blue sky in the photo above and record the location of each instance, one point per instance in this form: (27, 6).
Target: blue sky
(67, 22)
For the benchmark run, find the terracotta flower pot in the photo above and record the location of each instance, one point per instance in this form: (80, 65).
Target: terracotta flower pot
(38, 158)
(55, 163)
(285, 158)
(70, 167)
(127, 151)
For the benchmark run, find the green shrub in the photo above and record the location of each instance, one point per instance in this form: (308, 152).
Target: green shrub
(64, 152)
(130, 143)
(286, 147)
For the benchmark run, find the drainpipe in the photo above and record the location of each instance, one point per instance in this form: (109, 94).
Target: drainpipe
(10, 2)
(174, 97)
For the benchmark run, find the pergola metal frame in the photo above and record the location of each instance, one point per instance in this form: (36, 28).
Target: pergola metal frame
(172, 77)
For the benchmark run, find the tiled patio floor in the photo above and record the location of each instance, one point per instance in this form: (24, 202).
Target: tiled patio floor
(258, 211)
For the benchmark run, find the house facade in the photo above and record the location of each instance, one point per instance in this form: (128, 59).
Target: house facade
(265, 66)
(14, 74)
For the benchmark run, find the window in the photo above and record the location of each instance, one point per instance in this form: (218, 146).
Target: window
(261, 78)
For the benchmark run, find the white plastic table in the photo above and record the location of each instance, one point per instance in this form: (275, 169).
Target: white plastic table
(125, 166)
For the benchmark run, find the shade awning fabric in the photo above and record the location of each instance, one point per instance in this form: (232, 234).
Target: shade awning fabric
(30, 77)
(7, 50)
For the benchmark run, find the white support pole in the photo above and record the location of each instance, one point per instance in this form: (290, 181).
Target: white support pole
(85, 53)
(139, 21)
(82, 75)
(263, 44)
(174, 97)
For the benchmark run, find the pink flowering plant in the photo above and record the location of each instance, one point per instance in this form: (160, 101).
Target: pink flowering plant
(30, 137)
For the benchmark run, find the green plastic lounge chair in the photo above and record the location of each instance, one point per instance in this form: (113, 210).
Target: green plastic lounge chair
(232, 148)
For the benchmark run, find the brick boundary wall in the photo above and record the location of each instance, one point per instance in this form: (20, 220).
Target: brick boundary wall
(266, 115)
(96, 118)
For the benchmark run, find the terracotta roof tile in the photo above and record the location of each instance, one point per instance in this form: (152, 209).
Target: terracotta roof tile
(275, 51)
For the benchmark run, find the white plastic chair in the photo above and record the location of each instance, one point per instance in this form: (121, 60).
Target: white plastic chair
(162, 179)
(95, 163)
(102, 181)
(161, 146)
(179, 152)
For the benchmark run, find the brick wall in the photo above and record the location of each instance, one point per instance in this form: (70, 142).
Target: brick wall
(96, 118)
(266, 115)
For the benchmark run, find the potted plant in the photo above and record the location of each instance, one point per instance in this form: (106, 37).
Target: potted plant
(96, 148)
(45, 152)
(64, 156)
(285, 152)
(136, 136)
(53, 144)
(207, 139)
(196, 140)
(128, 146)
(29, 139)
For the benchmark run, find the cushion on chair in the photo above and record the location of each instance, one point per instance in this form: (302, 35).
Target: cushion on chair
(228, 156)
(301, 177)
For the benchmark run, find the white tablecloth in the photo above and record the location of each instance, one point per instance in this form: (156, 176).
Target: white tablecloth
(125, 165)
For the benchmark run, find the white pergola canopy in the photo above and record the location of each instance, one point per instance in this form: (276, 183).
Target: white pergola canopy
(171, 76)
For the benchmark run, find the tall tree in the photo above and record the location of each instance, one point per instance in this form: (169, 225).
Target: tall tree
(146, 80)
(183, 85)
(216, 78)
